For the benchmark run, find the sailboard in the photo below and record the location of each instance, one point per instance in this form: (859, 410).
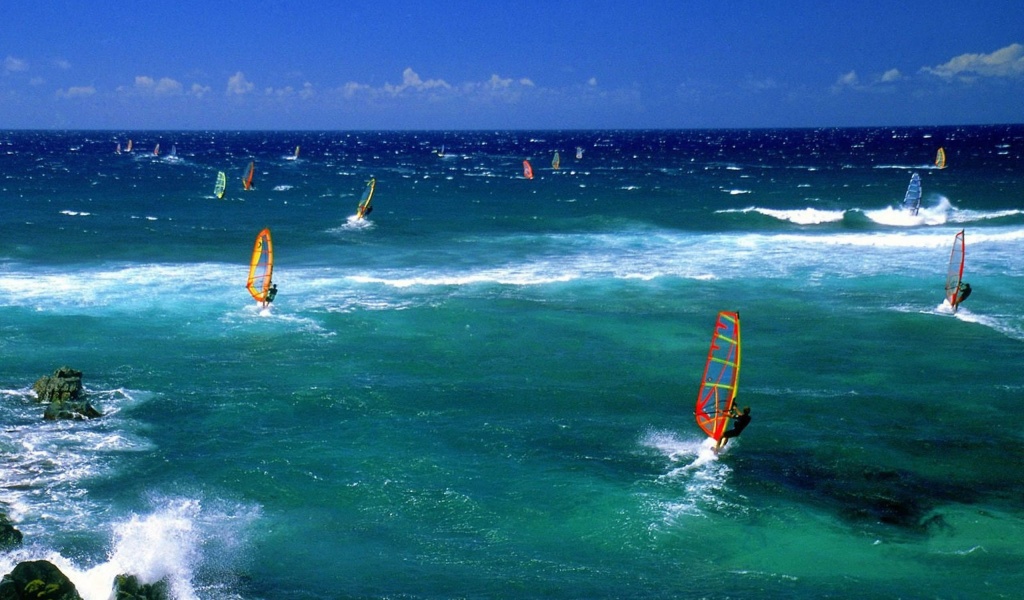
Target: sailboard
(955, 271)
(940, 158)
(365, 203)
(527, 170)
(221, 185)
(261, 267)
(247, 179)
(721, 373)
(912, 199)
(556, 162)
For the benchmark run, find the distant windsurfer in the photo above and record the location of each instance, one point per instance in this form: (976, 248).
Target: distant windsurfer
(965, 291)
(742, 420)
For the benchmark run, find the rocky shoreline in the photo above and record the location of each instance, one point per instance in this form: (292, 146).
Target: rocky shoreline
(65, 398)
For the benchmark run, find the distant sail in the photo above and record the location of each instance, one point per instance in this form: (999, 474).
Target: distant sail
(118, 149)
(556, 162)
(527, 170)
(955, 271)
(579, 152)
(721, 373)
(365, 203)
(940, 158)
(296, 152)
(247, 178)
(156, 150)
(222, 184)
(261, 266)
(912, 200)
(440, 153)
(128, 148)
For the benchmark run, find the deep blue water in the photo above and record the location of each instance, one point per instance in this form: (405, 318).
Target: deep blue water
(487, 389)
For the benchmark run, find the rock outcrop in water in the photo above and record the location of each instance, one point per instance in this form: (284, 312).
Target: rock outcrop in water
(9, 536)
(62, 392)
(127, 587)
(38, 580)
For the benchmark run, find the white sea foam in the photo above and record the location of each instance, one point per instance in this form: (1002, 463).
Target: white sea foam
(178, 538)
(803, 216)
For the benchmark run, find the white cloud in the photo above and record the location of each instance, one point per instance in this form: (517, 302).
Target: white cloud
(237, 84)
(147, 86)
(199, 90)
(82, 91)
(592, 82)
(891, 75)
(849, 79)
(1006, 62)
(62, 64)
(12, 64)
(412, 81)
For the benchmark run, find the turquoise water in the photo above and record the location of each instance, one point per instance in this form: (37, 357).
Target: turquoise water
(487, 389)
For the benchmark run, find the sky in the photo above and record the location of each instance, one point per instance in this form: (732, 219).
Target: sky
(461, 64)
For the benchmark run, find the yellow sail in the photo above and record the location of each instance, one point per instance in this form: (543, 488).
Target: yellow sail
(365, 207)
(261, 266)
(940, 158)
(222, 184)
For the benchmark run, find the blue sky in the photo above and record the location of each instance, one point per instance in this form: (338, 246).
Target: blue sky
(388, 64)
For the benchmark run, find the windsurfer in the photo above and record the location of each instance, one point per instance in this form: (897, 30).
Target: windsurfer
(965, 291)
(271, 293)
(742, 420)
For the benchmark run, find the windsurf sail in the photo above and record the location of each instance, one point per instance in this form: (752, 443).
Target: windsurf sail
(527, 170)
(912, 200)
(261, 267)
(556, 162)
(721, 373)
(955, 271)
(156, 150)
(222, 184)
(365, 207)
(579, 152)
(940, 158)
(128, 148)
(118, 149)
(247, 179)
(296, 157)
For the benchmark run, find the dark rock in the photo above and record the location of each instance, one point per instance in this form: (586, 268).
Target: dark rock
(9, 536)
(64, 384)
(127, 587)
(63, 393)
(70, 410)
(38, 580)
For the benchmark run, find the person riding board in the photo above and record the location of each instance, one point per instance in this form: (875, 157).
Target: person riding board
(741, 422)
(965, 291)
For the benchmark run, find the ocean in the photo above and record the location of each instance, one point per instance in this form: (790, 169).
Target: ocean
(487, 388)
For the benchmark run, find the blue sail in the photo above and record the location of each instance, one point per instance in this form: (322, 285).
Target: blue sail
(912, 201)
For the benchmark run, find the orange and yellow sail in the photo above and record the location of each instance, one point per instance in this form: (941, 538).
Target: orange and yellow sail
(249, 173)
(261, 267)
(721, 374)
(940, 158)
